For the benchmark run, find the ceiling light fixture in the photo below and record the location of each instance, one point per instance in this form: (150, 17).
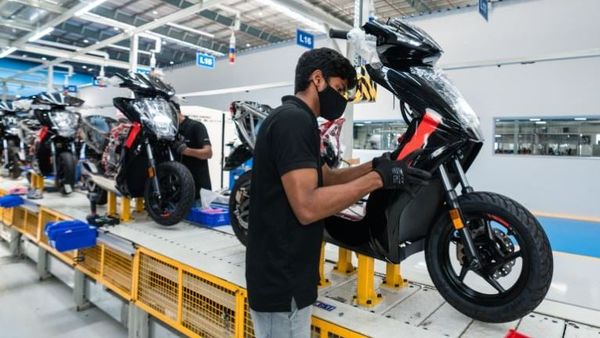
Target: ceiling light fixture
(84, 66)
(40, 34)
(248, 45)
(294, 15)
(171, 62)
(86, 41)
(189, 29)
(89, 7)
(580, 119)
(155, 12)
(535, 119)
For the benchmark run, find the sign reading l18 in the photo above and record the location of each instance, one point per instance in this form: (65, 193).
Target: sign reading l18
(205, 60)
(305, 39)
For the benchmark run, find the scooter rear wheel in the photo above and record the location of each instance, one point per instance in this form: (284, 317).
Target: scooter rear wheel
(239, 207)
(508, 239)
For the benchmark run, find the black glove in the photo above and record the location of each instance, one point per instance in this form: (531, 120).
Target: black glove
(178, 146)
(387, 155)
(399, 174)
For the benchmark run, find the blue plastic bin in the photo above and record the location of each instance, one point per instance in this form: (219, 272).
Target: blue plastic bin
(71, 235)
(210, 218)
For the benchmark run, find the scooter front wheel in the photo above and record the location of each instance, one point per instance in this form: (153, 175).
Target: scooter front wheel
(515, 257)
(239, 207)
(177, 191)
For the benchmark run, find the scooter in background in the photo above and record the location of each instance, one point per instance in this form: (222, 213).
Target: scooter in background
(247, 117)
(137, 160)
(54, 151)
(13, 147)
(95, 131)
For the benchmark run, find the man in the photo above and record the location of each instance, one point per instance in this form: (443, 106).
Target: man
(195, 150)
(292, 192)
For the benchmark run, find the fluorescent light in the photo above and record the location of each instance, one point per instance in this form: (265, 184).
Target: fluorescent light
(294, 15)
(89, 7)
(248, 45)
(41, 34)
(86, 40)
(7, 52)
(540, 122)
(171, 62)
(533, 120)
(498, 136)
(580, 119)
(189, 29)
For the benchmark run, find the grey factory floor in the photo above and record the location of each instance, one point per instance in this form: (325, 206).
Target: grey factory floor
(33, 308)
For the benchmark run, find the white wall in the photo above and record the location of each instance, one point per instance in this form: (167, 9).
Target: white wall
(557, 88)
(516, 29)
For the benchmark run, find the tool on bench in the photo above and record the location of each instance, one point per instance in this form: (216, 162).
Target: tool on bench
(97, 220)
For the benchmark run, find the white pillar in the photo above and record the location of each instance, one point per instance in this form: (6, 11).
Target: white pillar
(50, 86)
(133, 54)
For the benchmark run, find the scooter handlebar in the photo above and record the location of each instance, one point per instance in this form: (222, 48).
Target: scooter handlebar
(338, 34)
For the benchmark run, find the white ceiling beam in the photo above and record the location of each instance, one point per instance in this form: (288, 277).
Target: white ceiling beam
(41, 4)
(85, 59)
(173, 17)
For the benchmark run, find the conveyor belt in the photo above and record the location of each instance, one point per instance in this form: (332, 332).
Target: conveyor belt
(417, 310)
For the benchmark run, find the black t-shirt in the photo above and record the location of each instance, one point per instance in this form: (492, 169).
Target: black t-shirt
(196, 137)
(282, 257)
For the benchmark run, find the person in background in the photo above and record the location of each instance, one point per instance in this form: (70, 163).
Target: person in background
(194, 150)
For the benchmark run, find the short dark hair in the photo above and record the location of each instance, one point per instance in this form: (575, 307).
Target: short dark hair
(329, 61)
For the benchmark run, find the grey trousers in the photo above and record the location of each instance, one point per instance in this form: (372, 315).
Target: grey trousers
(294, 324)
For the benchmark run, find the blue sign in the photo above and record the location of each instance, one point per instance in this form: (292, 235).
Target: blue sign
(205, 60)
(483, 9)
(70, 88)
(305, 39)
(324, 306)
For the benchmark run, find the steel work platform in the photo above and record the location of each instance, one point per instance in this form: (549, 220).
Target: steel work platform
(192, 279)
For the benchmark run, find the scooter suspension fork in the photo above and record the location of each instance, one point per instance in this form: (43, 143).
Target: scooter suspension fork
(466, 187)
(5, 151)
(54, 159)
(152, 171)
(457, 220)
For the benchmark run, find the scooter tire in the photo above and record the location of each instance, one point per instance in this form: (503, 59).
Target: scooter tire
(536, 261)
(239, 206)
(186, 194)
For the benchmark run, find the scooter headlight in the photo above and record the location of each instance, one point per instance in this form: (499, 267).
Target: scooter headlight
(65, 122)
(158, 116)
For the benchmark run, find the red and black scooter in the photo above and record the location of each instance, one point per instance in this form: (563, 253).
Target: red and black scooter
(487, 255)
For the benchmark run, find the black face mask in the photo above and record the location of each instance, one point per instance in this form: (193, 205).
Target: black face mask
(332, 103)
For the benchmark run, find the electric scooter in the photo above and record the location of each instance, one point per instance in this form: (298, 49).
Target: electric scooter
(487, 255)
(138, 154)
(54, 148)
(13, 147)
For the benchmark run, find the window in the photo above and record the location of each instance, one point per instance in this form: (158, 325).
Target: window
(575, 137)
(378, 135)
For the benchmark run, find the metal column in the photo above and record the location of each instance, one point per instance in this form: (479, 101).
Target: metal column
(81, 301)
(42, 263)
(137, 324)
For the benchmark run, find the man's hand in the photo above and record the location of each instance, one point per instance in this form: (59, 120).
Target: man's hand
(399, 174)
(178, 146)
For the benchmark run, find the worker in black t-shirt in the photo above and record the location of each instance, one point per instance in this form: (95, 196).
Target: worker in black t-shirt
(195, 150)
(292, 192)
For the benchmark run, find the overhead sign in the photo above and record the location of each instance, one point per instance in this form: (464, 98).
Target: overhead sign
(305, 39)
(70, 88)
(483, 9)
(205, 60)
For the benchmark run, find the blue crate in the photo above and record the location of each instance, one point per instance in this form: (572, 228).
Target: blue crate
(210, 218)
(70, 235)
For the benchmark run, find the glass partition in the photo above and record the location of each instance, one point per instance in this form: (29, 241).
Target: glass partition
(378, 135)
(571, 137)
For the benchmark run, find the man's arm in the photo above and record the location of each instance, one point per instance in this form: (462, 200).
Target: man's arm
(203, 153)
(344, 175)
(311, 203)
